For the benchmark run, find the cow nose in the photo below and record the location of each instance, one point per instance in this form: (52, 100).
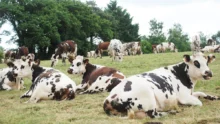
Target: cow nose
(70, 71)
(208, 73)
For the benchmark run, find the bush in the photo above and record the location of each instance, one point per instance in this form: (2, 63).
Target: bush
(1, 54)
(146, 47)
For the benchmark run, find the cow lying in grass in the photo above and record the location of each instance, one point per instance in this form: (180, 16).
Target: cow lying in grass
(90, 75)
(8, 81)
(47, 83)
(156, 92)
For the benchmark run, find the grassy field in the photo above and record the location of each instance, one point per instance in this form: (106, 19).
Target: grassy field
(87, 109)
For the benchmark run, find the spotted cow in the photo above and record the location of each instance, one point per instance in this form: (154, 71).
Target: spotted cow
(66, 49)
(157, 92)
(47, 83)
(211, 42)
(8, 81)
(19, 53)
(132, 48)
(116, 50)
(195, 44)
(91, 75)
(161, 48)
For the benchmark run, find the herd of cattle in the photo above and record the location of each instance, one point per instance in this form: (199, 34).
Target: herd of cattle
(154, 93)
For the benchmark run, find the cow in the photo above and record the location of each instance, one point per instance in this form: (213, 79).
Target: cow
(47, 83)
(19, 53)
(132, 48)
(66, 49)
(210, 48)
(91, 54)
(156, 93)
(116, 50)
(154, 48)
(103, 46)
(211, 42)
(8, 81)
(54, 60)
(161, 48)
(195, 44)
(91, 73)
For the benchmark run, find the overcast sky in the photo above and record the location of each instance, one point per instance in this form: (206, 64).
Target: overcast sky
(193, 15)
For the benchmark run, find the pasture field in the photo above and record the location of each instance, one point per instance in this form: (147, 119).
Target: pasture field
(87, 109)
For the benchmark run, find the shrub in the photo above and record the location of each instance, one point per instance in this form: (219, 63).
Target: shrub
(146, 47)
(1, 54)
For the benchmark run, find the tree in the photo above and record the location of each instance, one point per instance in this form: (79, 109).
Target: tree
(122, 23)
(216, 37)
(156, 32)
(180, 39)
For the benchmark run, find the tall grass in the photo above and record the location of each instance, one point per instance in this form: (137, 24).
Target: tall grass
(87, 109)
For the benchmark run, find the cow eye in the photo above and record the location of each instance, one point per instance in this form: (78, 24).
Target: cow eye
(196, 63)
(72, 65)
(78, 64)
(22, 67)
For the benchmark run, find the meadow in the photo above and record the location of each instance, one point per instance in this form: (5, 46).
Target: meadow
(87, 109)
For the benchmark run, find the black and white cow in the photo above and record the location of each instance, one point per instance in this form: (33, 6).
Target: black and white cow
(47, 83)
(8, 81)
(159, 90)
(91, 80)
(115, 50)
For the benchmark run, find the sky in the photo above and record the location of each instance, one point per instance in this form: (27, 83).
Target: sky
(193, 15)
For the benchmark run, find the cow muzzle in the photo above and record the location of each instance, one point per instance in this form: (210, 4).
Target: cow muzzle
(208, 75)
(70, 71)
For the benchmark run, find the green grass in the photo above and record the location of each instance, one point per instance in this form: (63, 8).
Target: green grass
(88, 108)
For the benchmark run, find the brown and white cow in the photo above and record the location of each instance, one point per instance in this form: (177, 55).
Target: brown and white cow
(211, 42)
(91, 73)
(161, 48)
(115, 50)
(21, 52)
(66, 49)
(100, 48)
(132, 48)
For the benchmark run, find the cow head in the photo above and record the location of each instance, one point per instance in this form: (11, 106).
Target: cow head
(119, 57)
(78, 65)
(54, 60)
(198, 65)
(23, 68)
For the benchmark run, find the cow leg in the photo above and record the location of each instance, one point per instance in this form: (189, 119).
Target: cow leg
(18, 83)
(205, 96)
(189, 100)
(22, 84)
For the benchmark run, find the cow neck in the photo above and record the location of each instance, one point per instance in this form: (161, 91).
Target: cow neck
(37, 70)
(89, 69)
(181, 72)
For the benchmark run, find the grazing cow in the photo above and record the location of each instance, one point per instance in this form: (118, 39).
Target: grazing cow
(132, 48)
(195, 44)
(47, 83)
(66, 49)
(210, 48)
(8, 81)
(116, 50)
(161, 48)
(21, 52)
(154, 92)
(91, 75)
(211, 42)
(91, 54)
(100, 48)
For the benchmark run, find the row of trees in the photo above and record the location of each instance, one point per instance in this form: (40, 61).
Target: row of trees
(43, 24)
(175, 35)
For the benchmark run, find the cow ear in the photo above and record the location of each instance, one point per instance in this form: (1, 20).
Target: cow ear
(211, 58)
(10, 64)
(86, 61)
(186, 58)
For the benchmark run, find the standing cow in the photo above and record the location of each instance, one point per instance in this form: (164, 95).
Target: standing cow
(195, 44)
(154, 92)
(66, 49)
(116, 50)
(47, 83)
(211, 42)
(161, 48)
(100, 48)
(19, 53)
(132, 48)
